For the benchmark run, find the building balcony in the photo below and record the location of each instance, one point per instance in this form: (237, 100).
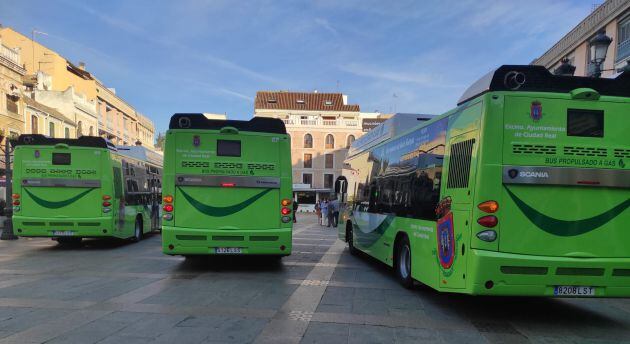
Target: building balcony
(10, 54)
(623, 50)
(319, 122)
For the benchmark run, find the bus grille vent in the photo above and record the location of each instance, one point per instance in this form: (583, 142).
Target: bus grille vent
(621, 272)
(264, 167)
(524, 270)
(195, 164)
(585, 151)
(533, 149)
(263, 238)
(580, 271)
(622, 153)
(459, 165)
(228, 165)
(65, 224)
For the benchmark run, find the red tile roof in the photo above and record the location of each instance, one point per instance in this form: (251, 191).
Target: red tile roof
(309, 101)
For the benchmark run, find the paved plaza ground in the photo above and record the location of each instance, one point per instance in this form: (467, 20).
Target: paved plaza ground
(118, 292)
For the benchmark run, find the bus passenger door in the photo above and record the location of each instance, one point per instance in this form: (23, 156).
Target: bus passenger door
(453, 227)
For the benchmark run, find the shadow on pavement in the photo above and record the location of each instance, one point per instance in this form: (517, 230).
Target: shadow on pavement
(88, 244)
(494, 313)
(227, 263)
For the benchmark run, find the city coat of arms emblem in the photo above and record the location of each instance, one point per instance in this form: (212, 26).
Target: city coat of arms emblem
(446, 240)
(536, 111)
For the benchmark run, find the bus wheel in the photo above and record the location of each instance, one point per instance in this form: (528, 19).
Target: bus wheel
(137, 231)
(350, 238)
(402, 263)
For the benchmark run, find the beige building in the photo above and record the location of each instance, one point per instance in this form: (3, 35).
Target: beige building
(11, 105)
(52, 80)
(613, 18)
(322, 126)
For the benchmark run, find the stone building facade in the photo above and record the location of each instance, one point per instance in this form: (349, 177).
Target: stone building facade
(322, 126)
(70, 88)
(611, 17)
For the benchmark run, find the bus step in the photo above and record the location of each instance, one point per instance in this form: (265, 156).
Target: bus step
(524, 270)
(621, 272)
(190, 237)
(580, 271)
(263, 238)
(228, 237)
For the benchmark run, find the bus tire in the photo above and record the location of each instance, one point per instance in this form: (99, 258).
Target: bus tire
(137, 230)
(402, 262)
(350, 239)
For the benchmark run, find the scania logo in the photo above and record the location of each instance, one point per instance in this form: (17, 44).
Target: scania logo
(513, 173)
(533, 174)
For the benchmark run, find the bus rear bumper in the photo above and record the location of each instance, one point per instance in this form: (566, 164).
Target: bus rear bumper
(85, 227)
(193, 241)
(497, 273)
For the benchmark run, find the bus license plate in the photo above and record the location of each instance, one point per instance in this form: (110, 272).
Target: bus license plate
(227, 250)
(63, 233)
(568, 290)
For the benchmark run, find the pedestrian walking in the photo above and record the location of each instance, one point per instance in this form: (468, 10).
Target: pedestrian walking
(295, 208)
(324, 211)
(318, 211)
(335, 210)
(331, 213)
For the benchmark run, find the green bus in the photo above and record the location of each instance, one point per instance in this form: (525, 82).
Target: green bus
(69, 189)
(227, 187)
(523, 189)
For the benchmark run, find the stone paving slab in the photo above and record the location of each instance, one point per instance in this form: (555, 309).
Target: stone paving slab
(110, 291)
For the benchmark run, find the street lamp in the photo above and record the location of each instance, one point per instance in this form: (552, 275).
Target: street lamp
(565, 68)
(599, 47)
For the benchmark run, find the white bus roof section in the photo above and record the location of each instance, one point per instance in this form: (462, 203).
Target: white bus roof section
(142, 154)
(397, 124)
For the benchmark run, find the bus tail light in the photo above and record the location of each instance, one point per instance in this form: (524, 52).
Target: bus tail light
(285, 211)
(168, 208)
(167, 216)
(489, 206)
(487, 235)
(15, 196)
(168, 199)
(16, 202)
(228, 185)
(488, 221)
(107, 197)
(107, 204)
(285, 202)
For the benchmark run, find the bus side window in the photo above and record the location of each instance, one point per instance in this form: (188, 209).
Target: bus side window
(117, 183)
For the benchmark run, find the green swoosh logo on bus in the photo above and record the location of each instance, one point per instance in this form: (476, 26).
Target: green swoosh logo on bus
(222, 211)
(567, 228)
(56, 204)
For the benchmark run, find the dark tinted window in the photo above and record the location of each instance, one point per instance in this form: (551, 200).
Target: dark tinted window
(405, 175)
(61, 158)
(585, 123)
(228, 148)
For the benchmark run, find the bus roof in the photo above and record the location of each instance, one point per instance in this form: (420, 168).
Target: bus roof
(199, 121)
(527, 78)
(141, 153)
(394, 126)
(83, 141)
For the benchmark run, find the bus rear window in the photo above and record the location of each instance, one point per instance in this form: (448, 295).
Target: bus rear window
(585, 123)
(61, 158)
(228, 148)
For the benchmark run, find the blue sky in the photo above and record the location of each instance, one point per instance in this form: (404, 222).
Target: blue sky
(212, 56)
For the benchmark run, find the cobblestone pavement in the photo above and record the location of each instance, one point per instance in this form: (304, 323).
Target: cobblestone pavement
(117, 292)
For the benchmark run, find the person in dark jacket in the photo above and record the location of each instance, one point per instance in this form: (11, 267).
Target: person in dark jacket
(295, 208)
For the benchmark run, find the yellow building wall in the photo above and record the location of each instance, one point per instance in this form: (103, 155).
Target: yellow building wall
(48, 62)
